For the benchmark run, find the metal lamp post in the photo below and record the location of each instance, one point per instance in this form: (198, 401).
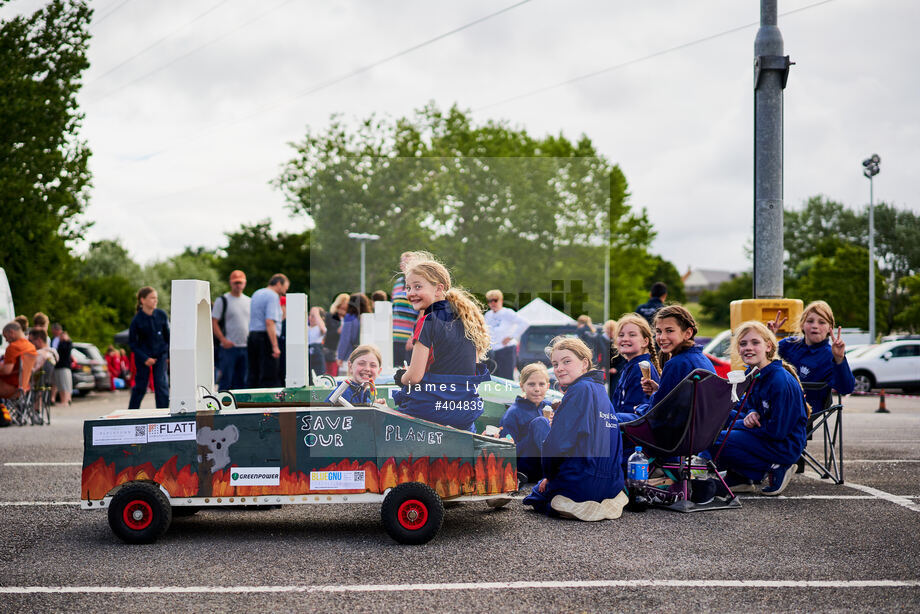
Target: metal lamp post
(870, 170)
(363, 237)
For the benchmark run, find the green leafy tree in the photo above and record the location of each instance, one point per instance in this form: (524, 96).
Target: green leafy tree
(44, 179)
(909, 316)
(841, 278)
(664, 271)
(108, 258)
(501, 208)
(259, 253)
(197, 263)
(716, 304)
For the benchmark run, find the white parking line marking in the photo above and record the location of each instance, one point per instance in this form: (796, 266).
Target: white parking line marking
(58, 464)
(36, 503)
(469, 586)
(880, 494)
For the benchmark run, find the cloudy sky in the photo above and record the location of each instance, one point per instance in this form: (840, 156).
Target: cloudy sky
(191, 105)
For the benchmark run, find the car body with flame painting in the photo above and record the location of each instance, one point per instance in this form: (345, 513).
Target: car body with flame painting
(146, 466)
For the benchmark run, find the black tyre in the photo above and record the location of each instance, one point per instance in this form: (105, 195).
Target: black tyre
(412, 513)
(864, 381)
(140, 513)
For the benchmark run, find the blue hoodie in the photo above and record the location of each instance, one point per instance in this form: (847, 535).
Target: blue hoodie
(581, 454)
(519, 416)
(675, 370)
(815, 363)
(628, 394)
(778, 398)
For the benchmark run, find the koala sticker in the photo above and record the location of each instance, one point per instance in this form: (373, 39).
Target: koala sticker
(218, 442)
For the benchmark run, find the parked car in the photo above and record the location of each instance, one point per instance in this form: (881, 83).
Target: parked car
(719, 351)
(893, 364)
(82, 373)
(532, 347)
(91, 356)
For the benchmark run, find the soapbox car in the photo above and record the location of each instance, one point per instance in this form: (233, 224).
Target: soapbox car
(146, 466)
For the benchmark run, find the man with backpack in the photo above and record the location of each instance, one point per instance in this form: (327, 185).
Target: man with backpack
(230, 321)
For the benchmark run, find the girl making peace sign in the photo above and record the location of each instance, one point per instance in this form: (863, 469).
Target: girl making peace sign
(817, 354)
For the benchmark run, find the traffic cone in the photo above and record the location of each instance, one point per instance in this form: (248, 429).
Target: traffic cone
(881, 403)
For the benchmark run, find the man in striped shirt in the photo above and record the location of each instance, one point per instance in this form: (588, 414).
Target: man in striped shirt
(404, 316)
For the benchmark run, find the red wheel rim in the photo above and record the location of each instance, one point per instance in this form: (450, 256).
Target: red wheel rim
(412, 514)
(138, 515)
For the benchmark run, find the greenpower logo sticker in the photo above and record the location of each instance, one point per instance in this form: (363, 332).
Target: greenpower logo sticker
(255, 476)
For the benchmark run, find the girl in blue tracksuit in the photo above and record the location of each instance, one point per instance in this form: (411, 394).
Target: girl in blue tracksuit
(675, 329)
(363, 368)
(525, 410)
(816, 354)
(581, 453)
(633, 339)
(769, 436)
(449, 341)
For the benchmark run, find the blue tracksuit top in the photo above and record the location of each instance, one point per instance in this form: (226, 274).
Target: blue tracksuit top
(581, 454)
(519, 416)
(815, 363)
(628, 394)
(148, 336)
(675, 370)
(441, 331)
(778, 398)
(356, 394)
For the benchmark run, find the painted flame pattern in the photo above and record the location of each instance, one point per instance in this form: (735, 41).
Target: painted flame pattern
(448, 477)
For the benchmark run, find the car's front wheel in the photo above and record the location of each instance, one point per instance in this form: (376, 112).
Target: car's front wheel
(864, 381)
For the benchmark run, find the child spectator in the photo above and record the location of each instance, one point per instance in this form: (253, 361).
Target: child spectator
(524, 410)
(449, 340)
(816, 354)
(675, 329)
(149, 339)
(378, 295)
(363, 368)
(770, 436)
(633, 338)
(40, 320)
(113, 365)
(581, 453)
(404, 316)
(63, 377)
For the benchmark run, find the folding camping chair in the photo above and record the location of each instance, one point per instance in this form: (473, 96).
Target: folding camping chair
(20, 405)
(829, 421)
(41, 394)
(684, 423)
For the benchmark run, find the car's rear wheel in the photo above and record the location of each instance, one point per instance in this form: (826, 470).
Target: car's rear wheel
(864, 381)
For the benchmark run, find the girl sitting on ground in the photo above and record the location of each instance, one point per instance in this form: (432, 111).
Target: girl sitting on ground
(816, 354)
(675, 329)
(633, 338)
(363, 368)
(449, 341)
(517, 420)
(581, 453)
(768, 438)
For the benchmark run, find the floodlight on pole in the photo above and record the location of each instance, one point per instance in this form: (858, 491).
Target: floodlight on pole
(870, 170)
(363, 237)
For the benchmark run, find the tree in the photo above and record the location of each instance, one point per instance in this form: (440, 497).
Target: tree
(909, 316)
(44, 179)
(664, 271)
(259, 253)
(716, 304)
(833, 278)
(501, 208)
(108, 258)
(822, 226)
(197, 263)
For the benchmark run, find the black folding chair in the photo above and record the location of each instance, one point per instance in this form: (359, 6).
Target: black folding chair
(829, 420)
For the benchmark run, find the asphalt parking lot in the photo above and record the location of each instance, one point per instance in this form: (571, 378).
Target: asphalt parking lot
(819, 547)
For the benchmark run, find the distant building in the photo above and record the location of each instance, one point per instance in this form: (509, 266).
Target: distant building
(697, 280)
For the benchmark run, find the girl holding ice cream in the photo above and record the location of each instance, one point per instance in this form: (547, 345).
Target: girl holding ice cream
(525, 420)
(633, 339)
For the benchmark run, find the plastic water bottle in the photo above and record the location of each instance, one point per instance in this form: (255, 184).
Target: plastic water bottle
(636, 480)
(637, 470)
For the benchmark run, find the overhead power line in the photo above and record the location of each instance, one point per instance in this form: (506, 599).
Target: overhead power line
(158, 41)
(335, 80)
(109, 13)
(656, 54)
(191, 51)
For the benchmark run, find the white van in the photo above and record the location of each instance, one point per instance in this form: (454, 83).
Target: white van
(7, 311)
